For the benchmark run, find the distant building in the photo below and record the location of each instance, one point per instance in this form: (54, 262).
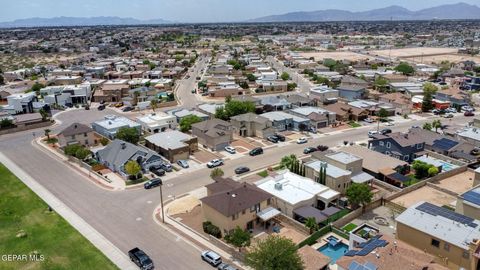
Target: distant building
(157, 122)
(109, 126)
(252, 125)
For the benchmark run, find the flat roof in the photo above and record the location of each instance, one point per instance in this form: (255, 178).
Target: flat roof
(171, 139)
(440, 226)
(291, 187)
(280, 116)
(472, 197)
(305, 111)
(331, 170)
(112, 121)
(343, 157)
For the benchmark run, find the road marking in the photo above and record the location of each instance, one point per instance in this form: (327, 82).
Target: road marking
(138, 219)
(149, 202)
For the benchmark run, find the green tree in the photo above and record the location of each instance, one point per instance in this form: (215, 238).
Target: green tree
(217, 172)
(82, 153)
(432, 171)
(128, 134)
(220, 113)
(287, 162)
(251, 77)
(239, 238)
(436, 124)
(322, 80)
(47, 133)
(44, 114)
(427, 126)
(383, 113)
(5, 122)
(429, 90)
(36, 87)
(405, 68)
(153, 104)
(381, 84)
(187, 122)
(421, 169)
(311, 224)
(274, 253)
(234, 107)
(291, 86)
(359, 195)
(104, 141)
(132, 168)
(285, 76)
(330, 63)
(70, 150)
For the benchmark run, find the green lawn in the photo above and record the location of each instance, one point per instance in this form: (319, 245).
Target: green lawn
(354, 124)
(46, 233)
(263, 173)
(349, 227)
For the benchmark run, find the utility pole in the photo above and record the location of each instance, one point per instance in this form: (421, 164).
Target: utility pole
(161, 201)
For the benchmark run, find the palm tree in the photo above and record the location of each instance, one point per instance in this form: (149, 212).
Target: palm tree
(217, 172)
(47, 133)
(288, 161)
(436, 124)
(153, 104)
(311, 224)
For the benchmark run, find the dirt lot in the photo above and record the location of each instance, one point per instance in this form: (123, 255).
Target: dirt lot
(458, 183)
(241, 144)
(409, 52)
(204, 156)
(435, 59)
(427, 194)
(336, 55)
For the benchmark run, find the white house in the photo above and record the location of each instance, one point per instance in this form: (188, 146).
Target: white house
(109, 126)
(157, 122)
(20, 103)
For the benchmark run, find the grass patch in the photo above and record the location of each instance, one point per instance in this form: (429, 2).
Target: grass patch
(46, 233)
(354, 124)
(263, 173)
(349, 227)
(413, 180)
(136, 181)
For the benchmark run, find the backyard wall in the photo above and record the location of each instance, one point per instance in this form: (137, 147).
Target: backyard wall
(26, 127)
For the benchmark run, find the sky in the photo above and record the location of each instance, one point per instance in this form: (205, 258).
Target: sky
(194, 10)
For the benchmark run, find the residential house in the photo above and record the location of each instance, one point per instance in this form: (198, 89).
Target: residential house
(230, 204)
(181, 113)
(20, 103)
(472, 83)
(403, 146)
(252, 125)
(442, 233)
(284, 121)
(277, 103)
(214, 134)
(312, 259)
(400, 102)
(77, 133)
(173, 145)
(468, 203)
(109, 126)
(66, 94)
(454, 95)
(209, 108)
(299, 101)
(352, 88)
(319, 118)
(225, 89)
(292, 191)
(157, 122)
(346, 113)
(324, 95)
(409, 88)
(111, 91)
(68, 80)
(273, 86)
(117, 153)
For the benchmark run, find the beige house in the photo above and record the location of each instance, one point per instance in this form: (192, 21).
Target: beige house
(452, 238)
(468, 203)
(214, 134)
(230, 204)
(252, 125)
(172, 144)
(77, 133)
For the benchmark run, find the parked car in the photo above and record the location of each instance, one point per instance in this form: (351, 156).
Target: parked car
(226, 266)
(322, 148)
(280, 137)
(372, 133)
(119, 104)
(272, 139)
(256, 151)
(140, 259)
(469, 113)
(415, 126)
(211, 257)
(127, 109)
(467, 108)
(385, 131)
(152, 183)
(215, 163)
(167, 167)
(449, 115)
(302, 140)
(369, 120)
(451, 110)
(101, 107)
(389, 124)
(242, 169)
(230, 149)
(309, 150)
(182, 163)
(158, 172)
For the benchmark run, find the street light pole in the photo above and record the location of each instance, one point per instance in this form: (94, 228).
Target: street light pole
(161, 201)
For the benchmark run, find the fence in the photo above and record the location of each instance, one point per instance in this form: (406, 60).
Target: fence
(356, 213)
(26, 127)
(293, 223)
(226, 247)
(312, 239)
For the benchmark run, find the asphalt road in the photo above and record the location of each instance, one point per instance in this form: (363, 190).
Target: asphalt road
(185, 86)
(303, 84)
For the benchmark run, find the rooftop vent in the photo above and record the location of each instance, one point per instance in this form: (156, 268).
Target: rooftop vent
(278, 186)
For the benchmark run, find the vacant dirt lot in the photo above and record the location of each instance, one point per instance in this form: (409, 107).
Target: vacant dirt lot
(410, 52)
(336, 55)
(455, 58)
(427, 194)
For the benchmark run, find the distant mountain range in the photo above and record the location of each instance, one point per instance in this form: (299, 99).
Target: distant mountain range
(78, 21)
(443, 12)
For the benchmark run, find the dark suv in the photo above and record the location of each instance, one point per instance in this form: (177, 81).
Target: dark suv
(141, 259)
(152, 183)
(256, 151)
(280, 137)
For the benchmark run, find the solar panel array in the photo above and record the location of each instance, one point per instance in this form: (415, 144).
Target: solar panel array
(367, 266)
(444, 144)
(472, 196)
(368, 247)
(443, 212)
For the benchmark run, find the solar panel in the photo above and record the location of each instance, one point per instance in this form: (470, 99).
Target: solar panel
(444, 144)
(443, 212)
(350, 253)
(370, 266)
(354, 266)
(472, 196)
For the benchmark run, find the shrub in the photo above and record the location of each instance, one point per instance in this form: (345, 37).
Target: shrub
(211, 229)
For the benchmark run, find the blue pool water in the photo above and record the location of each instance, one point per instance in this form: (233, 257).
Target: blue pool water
(333, 253)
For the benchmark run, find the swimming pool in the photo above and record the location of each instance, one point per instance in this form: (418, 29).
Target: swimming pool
(334, 252)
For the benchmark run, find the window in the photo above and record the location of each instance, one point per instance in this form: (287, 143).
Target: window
(252, 209)
(269, 201)
(465, 254)
(389, 144)
(243, 212)
(406, 157)
(85, 134)
(73, 137)
(435, 243)
(86, 142)
(381, 143)
(235, 217)
(446, 246)
(419, 146)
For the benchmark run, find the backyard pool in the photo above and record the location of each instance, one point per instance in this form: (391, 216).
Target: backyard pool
(333, 252)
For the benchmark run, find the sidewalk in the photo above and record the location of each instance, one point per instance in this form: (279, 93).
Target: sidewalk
(120, 259)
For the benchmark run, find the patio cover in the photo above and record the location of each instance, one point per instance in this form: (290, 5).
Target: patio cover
(398, 177)
(268, 213)
(310, 211)
(362, 177)
(330, 211)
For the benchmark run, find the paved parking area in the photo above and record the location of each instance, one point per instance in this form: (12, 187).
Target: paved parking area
(458, 183)
(204, 156)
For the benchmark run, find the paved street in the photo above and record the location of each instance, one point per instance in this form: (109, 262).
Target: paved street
(185, 86)
(303, 84)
